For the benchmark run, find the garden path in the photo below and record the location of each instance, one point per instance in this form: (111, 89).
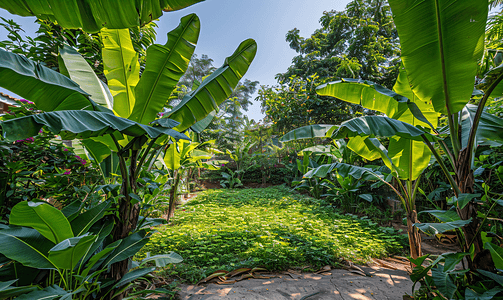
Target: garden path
(383, 284)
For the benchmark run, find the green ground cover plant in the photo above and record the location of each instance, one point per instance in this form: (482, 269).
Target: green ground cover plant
(270, 227)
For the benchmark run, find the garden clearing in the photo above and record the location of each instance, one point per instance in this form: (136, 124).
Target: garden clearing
(279, 230)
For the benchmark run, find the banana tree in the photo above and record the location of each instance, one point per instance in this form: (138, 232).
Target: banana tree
(439, 75)
(451, 39)
(405, 157)
(128, 95)
(182, 156)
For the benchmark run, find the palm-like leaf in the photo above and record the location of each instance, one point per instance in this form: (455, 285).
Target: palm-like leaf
(70, 124)
(377, 126)
(165, 66)
(79, 71)
(343, 169)
(26, 246)
(489, 126)
(93, 15)
(121, 68)
(67, 254)
(216, 88)
(309, 132)
(47, 220)
(441, 43)
(49, 89)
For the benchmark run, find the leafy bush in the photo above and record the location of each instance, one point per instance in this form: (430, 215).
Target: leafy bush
(37, 168)
(227, 229)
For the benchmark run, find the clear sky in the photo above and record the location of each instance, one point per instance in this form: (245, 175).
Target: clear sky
(226, 23)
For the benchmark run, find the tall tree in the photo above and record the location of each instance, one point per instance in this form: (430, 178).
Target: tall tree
(360, 42)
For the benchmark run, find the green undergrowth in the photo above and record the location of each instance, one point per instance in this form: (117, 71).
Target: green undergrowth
(270, 227)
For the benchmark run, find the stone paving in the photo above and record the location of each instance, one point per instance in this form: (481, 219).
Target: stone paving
(337, 284)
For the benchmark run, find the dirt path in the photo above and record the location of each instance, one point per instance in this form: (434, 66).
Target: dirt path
(383, 283)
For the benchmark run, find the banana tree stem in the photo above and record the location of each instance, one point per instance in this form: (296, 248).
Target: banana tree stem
(454, 186)
(143, 157)
(478, 114)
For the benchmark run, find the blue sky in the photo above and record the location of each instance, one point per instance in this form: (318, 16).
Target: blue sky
(226, 23)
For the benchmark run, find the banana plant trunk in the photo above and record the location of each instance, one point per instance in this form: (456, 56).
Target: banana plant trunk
(465, 181)
(126, 221)
(414, 236)
(173, 194)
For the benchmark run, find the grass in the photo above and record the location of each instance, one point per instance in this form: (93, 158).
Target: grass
(271, 227)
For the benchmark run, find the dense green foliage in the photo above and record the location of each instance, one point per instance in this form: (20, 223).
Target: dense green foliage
(360, 42)
(227, 229)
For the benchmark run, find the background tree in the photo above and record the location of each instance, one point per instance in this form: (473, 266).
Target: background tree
(228, 123)
(360, 42)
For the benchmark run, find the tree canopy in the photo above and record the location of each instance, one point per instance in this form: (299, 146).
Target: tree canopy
(360, 42)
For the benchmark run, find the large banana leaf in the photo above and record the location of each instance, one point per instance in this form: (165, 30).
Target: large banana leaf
(377, 126)
(49, 89)
(376, 97)
(490, 126)
(199, 126)
(50, 292)
(26, 246)
(409, 157)
(441, 43)
(128, 247)
(309, 132)
(165, 66)
(67, 254)
(370, 149)
(420, 110)
(172, 157)
(47, 220)
(92, 15)
(343, 169)
(80, 124)
(216, 88)
(79, 71)
(121, 68)
(83, 222)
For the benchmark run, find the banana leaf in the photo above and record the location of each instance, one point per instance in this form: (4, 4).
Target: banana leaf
(418, 112)
(128, 247)
(121, 68)
(436, 228)
(343, 169)
(410, 158)
(215, 89)
(378, 126)
(441, 44)
(47, 220)
(50, 292)
(490, 126)
(67, 254)
(79, 71)
(198, 127)
(81, 224)
(26, 246)
(165, 66)
(308, 132)
(80, 124)
(13, 291)
(93, 15)
(48, 89)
